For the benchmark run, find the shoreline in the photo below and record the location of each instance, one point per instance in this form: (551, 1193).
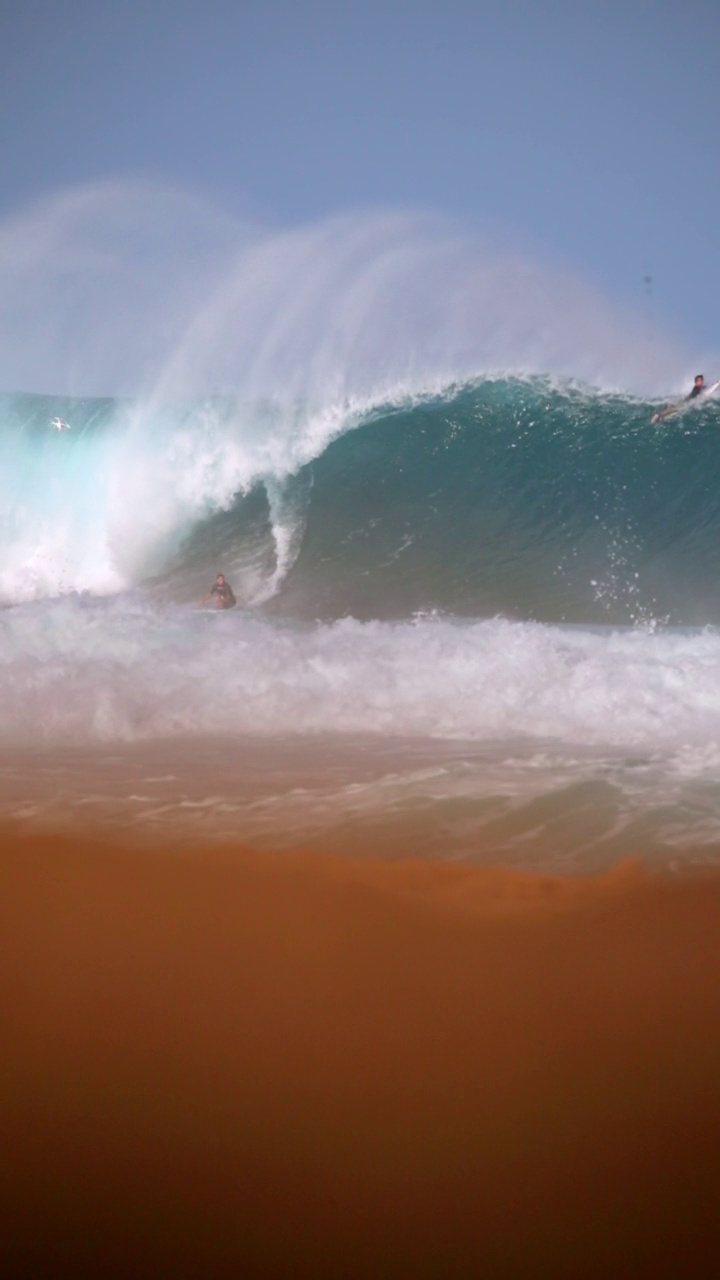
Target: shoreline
(530, 806)
(231, 1062)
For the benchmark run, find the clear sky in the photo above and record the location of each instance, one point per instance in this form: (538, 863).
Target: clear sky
(590, 128)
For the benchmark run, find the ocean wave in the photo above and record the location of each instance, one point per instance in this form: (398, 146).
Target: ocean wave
(527, 498)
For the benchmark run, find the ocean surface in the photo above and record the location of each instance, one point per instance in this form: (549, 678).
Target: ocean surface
(477, 621)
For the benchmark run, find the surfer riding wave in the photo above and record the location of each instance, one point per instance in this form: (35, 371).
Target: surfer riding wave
(699, 388)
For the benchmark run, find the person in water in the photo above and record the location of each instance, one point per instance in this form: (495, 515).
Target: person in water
(222, 593)
(698, 388)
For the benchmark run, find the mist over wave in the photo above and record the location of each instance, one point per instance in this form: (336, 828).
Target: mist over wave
(130, 287)
(259, 366)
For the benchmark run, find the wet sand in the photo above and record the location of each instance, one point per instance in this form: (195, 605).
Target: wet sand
(230, 1063)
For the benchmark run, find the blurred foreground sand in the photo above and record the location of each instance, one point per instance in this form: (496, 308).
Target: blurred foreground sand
(240, 1064)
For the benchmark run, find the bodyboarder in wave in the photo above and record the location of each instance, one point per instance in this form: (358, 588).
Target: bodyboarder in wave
(221, 593)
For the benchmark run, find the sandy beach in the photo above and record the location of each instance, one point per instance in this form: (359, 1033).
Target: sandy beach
(232, 1063)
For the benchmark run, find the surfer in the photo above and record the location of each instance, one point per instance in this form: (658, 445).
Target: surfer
(698, 389)
(223, 593)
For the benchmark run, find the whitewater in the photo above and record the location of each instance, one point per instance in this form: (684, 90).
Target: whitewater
(478, 611)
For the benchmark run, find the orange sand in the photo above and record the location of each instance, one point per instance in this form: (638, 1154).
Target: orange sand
(253, 1065)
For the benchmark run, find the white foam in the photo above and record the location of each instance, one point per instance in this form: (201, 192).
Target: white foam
(53, 527)
(82, 671)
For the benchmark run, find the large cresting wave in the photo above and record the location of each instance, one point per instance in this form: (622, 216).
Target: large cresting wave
(524, 498)
(378, 415)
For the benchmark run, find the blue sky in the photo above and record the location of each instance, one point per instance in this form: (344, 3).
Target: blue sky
(588, 129)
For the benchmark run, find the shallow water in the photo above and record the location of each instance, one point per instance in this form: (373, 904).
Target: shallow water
(531, 807)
